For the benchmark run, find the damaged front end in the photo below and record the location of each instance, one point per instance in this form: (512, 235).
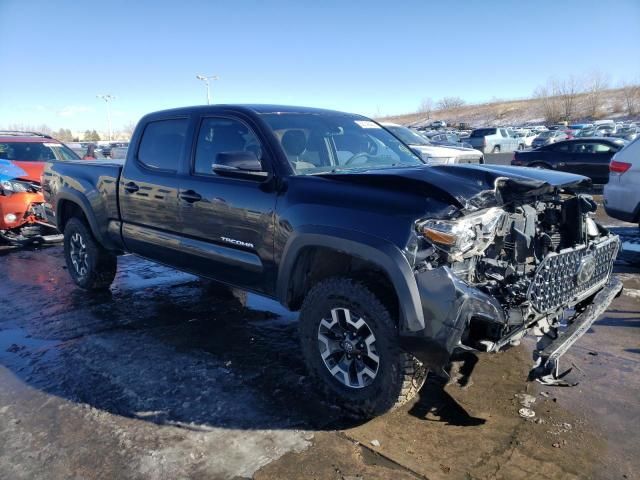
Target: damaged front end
(22, 216)
(523, 257)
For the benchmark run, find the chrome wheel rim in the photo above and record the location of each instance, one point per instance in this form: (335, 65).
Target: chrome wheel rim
(78, 254)
(348, 349)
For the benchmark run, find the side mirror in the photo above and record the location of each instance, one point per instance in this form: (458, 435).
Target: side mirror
(238, 164)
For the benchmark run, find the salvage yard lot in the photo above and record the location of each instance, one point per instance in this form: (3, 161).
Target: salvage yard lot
(169, 376)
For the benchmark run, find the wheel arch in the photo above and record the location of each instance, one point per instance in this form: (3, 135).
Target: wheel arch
(317, 253)
(70, 204)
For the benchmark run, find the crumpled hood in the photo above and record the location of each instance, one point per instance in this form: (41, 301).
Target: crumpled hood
(469, 186)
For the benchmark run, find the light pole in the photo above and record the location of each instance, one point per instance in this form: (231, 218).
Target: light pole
(206, 79)
(108, 98)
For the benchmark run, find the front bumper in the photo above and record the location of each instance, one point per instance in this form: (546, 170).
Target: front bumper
(547, 368)
(18, 204)
(449, 304)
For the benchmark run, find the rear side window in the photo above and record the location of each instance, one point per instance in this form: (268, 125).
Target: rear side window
(483, 132)
(162, 144)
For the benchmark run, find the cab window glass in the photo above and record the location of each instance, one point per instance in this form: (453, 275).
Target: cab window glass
(222, 135)
(162, 144)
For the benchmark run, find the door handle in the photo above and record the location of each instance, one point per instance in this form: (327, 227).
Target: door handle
(131, 187)
(190, 196)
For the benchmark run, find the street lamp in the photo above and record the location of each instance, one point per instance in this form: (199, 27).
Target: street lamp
(206, 79)
(108, 98)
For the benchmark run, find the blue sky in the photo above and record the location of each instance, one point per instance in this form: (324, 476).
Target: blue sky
(370, 57)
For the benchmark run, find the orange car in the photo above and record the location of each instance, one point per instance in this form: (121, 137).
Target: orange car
(22, 214)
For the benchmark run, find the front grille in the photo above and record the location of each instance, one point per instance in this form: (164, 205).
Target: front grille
(555, 283)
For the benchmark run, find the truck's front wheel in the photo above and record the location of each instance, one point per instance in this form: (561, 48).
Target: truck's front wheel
(90, 265)
(350, 345)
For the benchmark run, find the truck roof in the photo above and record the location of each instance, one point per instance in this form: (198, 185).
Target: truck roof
(251, 108)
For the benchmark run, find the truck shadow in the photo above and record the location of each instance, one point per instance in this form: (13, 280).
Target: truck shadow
(167, 348)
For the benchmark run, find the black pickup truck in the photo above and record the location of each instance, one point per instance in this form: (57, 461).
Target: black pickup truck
(394, 265)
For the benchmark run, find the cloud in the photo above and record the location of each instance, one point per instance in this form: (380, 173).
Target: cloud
(73, 110)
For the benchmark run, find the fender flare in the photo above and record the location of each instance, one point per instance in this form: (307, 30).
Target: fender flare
(83, 203)
(373, 249)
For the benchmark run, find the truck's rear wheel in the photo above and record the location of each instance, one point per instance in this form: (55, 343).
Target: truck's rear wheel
(350, 345)
(91, 266)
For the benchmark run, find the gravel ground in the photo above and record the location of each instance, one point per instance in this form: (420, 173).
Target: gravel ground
(168, 376)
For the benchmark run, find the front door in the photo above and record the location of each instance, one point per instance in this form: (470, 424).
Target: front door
(148, 192)
(228, 223)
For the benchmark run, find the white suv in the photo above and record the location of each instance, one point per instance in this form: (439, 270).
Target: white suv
(622, 193)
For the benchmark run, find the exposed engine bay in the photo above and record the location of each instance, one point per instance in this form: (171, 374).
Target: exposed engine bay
(542, 259)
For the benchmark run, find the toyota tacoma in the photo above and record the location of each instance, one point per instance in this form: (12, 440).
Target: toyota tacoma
(394, 265)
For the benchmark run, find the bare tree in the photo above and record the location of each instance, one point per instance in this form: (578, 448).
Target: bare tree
(597, 82)
(548, 102)
(567, 92)
(631, 95)
(426, 107)
(450, 103)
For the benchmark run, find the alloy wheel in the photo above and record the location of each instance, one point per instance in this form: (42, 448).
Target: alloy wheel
(348, 348)
(78, 254)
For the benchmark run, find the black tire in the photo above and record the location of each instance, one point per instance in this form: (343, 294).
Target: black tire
(496, 149)
(399, 375)
(520, 146)
(97, 267)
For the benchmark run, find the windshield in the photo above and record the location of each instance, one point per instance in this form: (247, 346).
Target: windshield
(407, 136)
(546, 134)
(483, 132)
(36, 151)
(321, 143)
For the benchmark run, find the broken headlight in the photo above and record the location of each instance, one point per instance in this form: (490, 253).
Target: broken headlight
(466, 236)
(8, 187)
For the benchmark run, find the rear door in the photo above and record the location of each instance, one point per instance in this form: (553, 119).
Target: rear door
(591, 158)
(148, 191)
(227, 222)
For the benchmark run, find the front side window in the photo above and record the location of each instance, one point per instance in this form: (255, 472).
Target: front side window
(321, 143)
(162, 144)
(222, 135)
(36, 151)
(559, 147)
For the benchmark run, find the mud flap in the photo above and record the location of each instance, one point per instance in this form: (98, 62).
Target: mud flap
(550, 349)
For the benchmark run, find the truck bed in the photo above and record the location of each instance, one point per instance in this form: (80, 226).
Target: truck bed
(96, 180)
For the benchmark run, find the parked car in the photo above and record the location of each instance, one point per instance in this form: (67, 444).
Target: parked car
(494, 140)
(548, 137)
(448, 140)
(438, 124)
(526, 137)
(605, 130)
(589, 157)
(22, 157)
(434, 154)
(585, 132)
(627, 133)
(393, 265)
(622, 193)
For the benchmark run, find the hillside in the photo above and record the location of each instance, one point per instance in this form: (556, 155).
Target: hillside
(517, 112)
